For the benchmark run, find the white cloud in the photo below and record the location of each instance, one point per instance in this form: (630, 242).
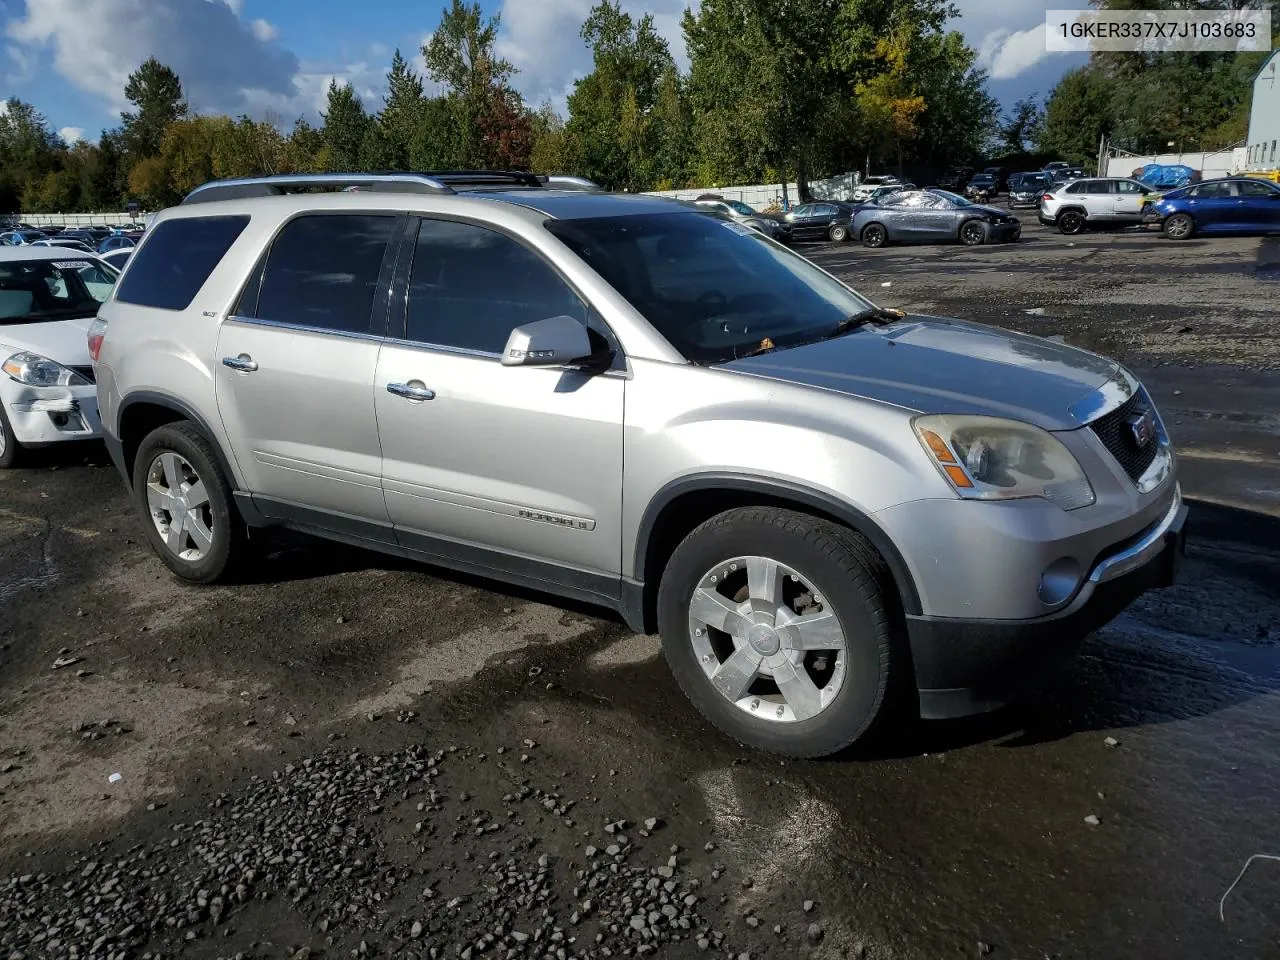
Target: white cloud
(96, 44)
(1008, 55)
(70, 135)
(378, 49)
(237, 6)
(263, 30)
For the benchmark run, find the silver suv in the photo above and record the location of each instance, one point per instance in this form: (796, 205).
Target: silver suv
(823, 506)
(1077, 204)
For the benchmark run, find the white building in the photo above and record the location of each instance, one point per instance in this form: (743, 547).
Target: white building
(1264, 117)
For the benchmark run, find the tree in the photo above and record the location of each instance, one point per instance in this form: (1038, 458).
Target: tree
(482, 121)
(1021, 127)
(402, 112)
(1077, 115)
(890, 106)
(552, 151)
(345, 126)
(611, 110)
(156, 92)
(29, 152)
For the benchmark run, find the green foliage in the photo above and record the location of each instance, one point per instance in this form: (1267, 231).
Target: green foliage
(156, 92)
(1022, 126)
(345, 127)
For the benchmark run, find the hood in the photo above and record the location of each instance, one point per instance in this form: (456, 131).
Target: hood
(62, 341)
(987, 211)
(937, 365)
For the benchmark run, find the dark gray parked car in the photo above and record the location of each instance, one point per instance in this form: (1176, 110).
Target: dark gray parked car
(932, 216)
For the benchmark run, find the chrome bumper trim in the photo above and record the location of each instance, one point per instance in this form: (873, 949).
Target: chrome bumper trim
(1135, 556)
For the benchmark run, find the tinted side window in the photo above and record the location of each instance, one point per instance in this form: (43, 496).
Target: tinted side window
(804, 210)
(1245, 188)
(175, 261)
(471, 286)
(322, 271)
(1211, 191)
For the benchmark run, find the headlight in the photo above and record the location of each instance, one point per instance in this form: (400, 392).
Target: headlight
(986, 458)
(37, 371)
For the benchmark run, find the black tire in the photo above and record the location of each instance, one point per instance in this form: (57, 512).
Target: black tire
(1071, 222)
(851, 577)
(875, 235)
(1180, 226)
(972, 234)
(838, 233)
(11, 452)
(229, 540)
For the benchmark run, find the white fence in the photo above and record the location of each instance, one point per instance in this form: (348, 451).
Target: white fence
(763, 195)
(1219, 164)
(80, 219)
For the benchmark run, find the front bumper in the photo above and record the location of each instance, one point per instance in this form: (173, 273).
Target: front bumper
(45, 415)
(1003, 232)
(965, 667)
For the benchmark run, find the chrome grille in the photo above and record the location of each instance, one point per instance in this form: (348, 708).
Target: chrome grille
(1116, 434)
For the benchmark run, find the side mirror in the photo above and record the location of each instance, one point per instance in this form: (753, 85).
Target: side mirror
(552, 342)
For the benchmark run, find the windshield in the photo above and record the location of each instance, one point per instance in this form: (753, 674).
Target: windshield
(950, 197)
(35, 290)
(716, 290)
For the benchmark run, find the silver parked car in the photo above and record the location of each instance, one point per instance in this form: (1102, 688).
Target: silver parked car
(1078, 204)
(932, 216)
(776, 227)
(823, 506)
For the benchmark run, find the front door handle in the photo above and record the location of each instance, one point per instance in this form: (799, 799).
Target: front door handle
(244, 363)
(413, 390)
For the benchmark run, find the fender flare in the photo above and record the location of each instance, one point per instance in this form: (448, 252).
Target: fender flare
(855, 519)
(186, 412)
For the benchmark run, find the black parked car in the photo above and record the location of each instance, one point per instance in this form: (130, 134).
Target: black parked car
(1025, 189)
(955, 179)
(1002, 177)
(821, 220)
(933, 216)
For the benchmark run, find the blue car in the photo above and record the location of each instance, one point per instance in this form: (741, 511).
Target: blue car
(1230, 205)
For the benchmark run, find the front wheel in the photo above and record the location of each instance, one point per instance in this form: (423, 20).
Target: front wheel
(838, 233)
(11, 451)
(186, 504)
(777, 626)
(1179, 227)
(972, 234)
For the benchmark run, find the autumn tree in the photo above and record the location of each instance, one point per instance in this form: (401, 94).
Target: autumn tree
(402, 112)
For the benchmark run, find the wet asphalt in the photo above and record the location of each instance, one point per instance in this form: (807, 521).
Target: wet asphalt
(1104, 818)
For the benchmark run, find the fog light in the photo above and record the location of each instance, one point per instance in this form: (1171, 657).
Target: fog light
(1059, 581)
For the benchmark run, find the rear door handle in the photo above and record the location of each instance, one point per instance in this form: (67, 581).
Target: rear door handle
(413, 390)
(244, 363)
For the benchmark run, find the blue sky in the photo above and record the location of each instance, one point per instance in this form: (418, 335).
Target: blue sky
(275, 58)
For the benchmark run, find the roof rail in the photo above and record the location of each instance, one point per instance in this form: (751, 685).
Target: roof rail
(565, 182)
(240, 188)
(432, 182)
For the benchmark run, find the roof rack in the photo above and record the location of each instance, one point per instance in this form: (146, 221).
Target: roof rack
(430, 182)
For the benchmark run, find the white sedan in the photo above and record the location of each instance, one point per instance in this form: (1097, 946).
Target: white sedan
(48, 298)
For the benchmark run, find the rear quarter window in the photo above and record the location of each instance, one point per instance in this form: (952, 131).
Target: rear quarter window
(173, 263)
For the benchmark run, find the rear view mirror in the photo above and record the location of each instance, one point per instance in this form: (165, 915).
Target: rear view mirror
(552, 342)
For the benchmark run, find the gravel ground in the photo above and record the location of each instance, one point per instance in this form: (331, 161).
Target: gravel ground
(350, 756)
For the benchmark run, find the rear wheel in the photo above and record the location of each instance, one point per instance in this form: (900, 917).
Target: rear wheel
(838, 233)
(186, 504)
(972, 234)
(776, 626)
(874, 235)
(1179, 226)
(11, 452)
(1071, 222)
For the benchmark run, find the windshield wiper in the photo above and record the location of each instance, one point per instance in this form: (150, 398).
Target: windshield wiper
(872, 315)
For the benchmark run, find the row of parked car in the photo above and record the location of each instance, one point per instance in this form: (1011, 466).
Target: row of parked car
(904, 213)
(622, 401)
(116, 240)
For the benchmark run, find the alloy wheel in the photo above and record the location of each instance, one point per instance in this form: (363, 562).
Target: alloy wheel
(179, 506)
(765, 639)
(1178, 227)
(971, 234)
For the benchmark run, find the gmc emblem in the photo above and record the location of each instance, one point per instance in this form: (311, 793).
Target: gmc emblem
(1142, 426)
